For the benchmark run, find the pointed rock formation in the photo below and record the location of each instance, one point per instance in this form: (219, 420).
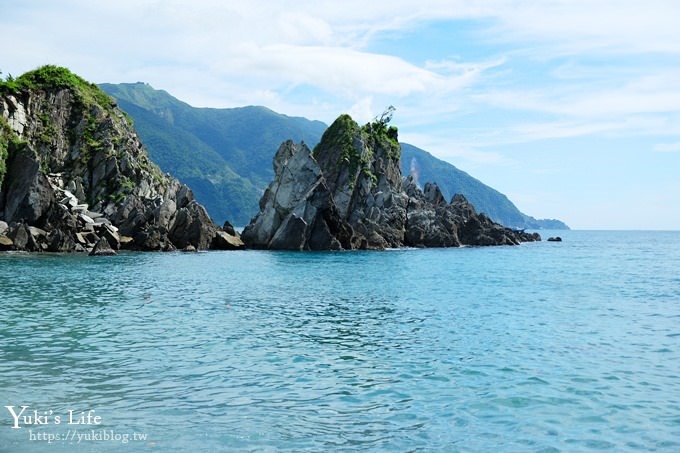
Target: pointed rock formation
(297, 210)
(349, 194)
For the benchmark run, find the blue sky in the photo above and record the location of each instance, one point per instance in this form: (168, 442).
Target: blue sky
(571, 108)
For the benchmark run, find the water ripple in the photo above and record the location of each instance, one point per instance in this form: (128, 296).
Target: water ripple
(531, 348)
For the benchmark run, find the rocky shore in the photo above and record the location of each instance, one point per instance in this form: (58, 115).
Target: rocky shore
(73, 171)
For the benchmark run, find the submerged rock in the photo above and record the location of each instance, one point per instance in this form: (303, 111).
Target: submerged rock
(349, 194)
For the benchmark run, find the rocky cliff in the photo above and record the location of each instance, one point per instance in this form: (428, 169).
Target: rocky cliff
(73, 171)
(349, 193)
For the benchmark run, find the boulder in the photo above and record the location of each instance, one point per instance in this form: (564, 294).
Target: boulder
(5, 243)
(555, 239)
(111, 234)
(225, 241)
(3, 227)
(126, 242)
(102, 248)
(23, 240)
(151, 239)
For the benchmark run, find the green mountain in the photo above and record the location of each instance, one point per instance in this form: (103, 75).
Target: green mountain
(225, 155)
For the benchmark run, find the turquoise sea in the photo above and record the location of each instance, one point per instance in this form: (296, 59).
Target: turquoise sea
(571, 346)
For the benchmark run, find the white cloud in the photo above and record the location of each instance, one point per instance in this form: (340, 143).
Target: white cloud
(667, 147)
(362, 111)
(648, 94)
(454, 151)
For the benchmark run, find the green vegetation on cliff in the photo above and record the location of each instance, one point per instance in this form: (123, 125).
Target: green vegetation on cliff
(340, 136)
(51, 77)
(357, 145)
(378, 133)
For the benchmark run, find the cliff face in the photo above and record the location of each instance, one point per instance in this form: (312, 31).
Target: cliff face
(76, 171)
(349, 194)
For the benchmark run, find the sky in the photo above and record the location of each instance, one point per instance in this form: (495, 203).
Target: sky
(569, 107)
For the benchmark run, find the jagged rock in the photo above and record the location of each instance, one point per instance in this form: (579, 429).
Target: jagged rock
(349, 193)
(61, 217)
(192, 225)
(90, 237)
(58, 241)
(150, 240)
(433, 194)
(189, 248)
(28, 195)
(111, 234)
(37, 232)
(70, 200)
(102, 248)
(297, 207)
(39, 237)
(229, 228)
(75, 164)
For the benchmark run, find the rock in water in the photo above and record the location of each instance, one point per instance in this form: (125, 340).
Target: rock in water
(226, 241)
(349, 193)
(102, 248)
(297, 211)
(71, 161)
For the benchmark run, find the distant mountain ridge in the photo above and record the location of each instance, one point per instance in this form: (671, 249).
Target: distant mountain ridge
(451, 181)
(225, 155)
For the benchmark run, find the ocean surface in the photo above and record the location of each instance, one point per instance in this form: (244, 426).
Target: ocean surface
(571, 346)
